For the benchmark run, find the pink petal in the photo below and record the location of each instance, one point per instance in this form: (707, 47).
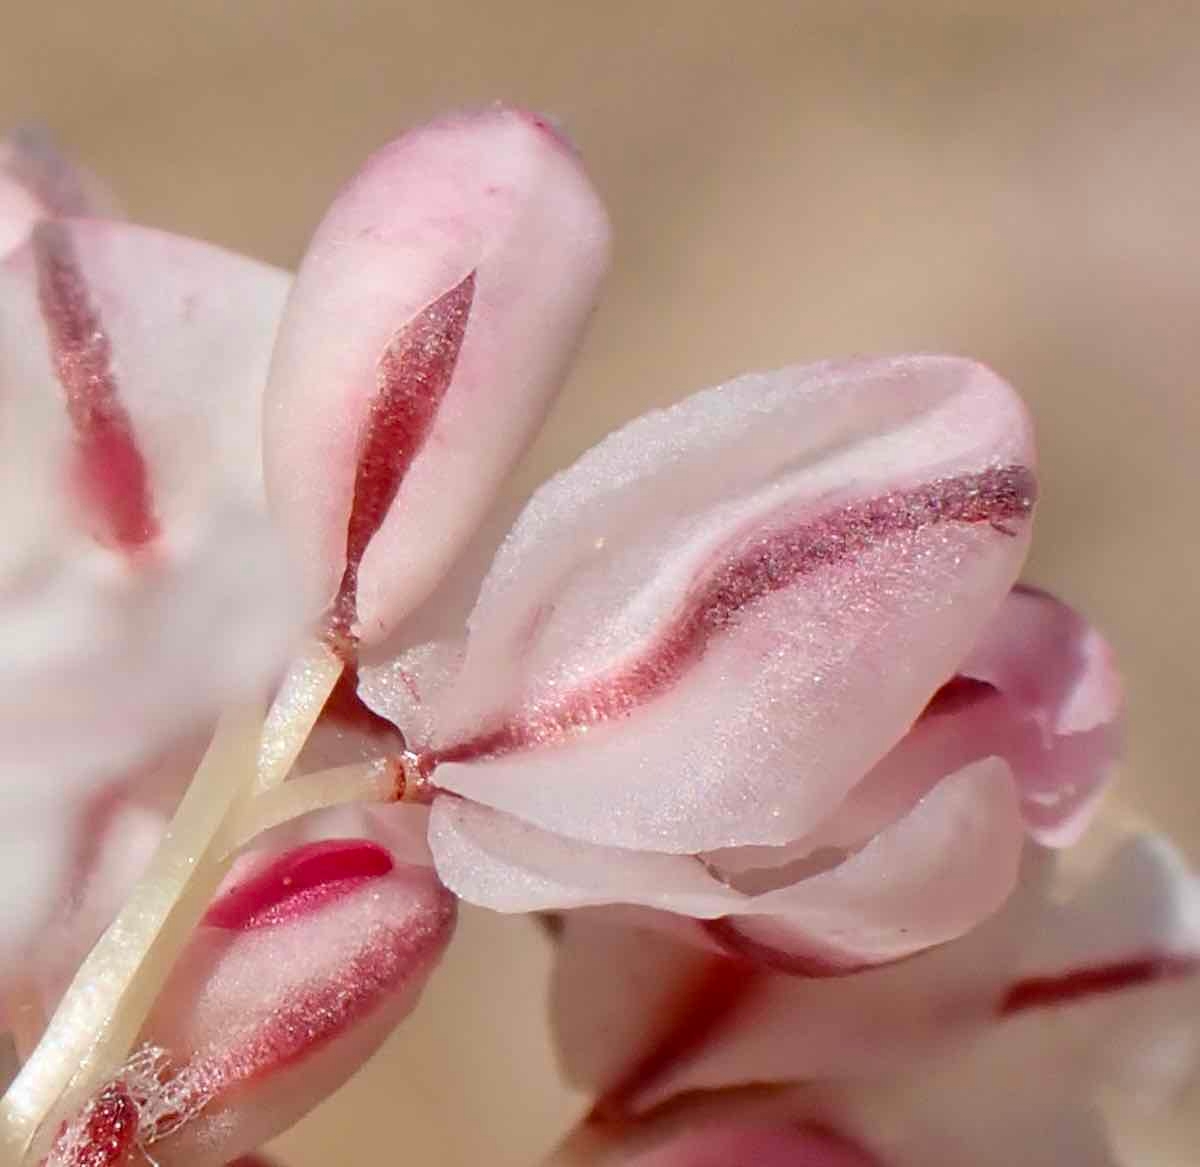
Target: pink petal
(743, 602)
(185, 366)
(140, 585)
(1063, 703)
(429, 327)
(1097, 983)
(1037, 669)
(295, 978)
(929, 877)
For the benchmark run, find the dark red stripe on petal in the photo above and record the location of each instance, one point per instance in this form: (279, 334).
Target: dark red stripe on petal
(36, 164)
(701, 1010)
(111, 471)
(299, 882)
(765, 562)
(414, 374)
(313, 1015)
(1080, 984)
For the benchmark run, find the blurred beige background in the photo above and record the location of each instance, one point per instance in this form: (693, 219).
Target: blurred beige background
(1012, 179)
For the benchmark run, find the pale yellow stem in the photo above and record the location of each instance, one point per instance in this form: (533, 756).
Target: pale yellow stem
(295, 710)
(105, 1007)
(98, 1020)
(364, 782)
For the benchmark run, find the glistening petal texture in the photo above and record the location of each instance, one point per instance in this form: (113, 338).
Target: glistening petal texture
(1039, 690)
(480, 236)
(706, 631)
(927, 878)
(298, 973)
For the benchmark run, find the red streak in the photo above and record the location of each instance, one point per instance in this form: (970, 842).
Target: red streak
(106, 1134)
(111, 469)
(701, 1010)
(414, 374)
(313, 1015)
(762, 563)
(298, 883)
(1081, 983)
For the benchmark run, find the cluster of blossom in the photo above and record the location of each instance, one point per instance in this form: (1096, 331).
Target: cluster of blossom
(747, 703)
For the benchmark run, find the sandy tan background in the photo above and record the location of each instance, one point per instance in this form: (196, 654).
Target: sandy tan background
(1012, 179)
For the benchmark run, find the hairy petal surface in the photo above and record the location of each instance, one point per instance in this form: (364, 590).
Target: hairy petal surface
(429, 326)
(707, 630)
(1039, 690)
(297, 974)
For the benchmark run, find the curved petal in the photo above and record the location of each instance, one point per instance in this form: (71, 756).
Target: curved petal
(1096, 983)
(931, 876)
(1063, 698)
(140, 584)
(1039, 690)
(710, 627)
(296, 976)
(429, 327)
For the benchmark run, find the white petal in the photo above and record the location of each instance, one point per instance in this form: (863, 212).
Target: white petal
(493, 209)
(707, 630)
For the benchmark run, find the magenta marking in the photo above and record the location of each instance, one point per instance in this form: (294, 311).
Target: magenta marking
(763, 563)
(1079, 984)
(298, 883)
(315, 1014)
(111, 470)
(107, 1131)
(701, 1010)
(413, 374)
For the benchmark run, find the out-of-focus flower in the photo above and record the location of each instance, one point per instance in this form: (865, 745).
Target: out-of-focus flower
(753, 670)
(1019, 1043)
(141, 585)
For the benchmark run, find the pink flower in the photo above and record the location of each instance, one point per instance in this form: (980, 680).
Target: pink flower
(1065, 1017)
(753, 670)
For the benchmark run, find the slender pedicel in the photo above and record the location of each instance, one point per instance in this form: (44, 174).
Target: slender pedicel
(98, 1019)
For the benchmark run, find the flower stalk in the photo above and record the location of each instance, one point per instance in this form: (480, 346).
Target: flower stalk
(97, 1021)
